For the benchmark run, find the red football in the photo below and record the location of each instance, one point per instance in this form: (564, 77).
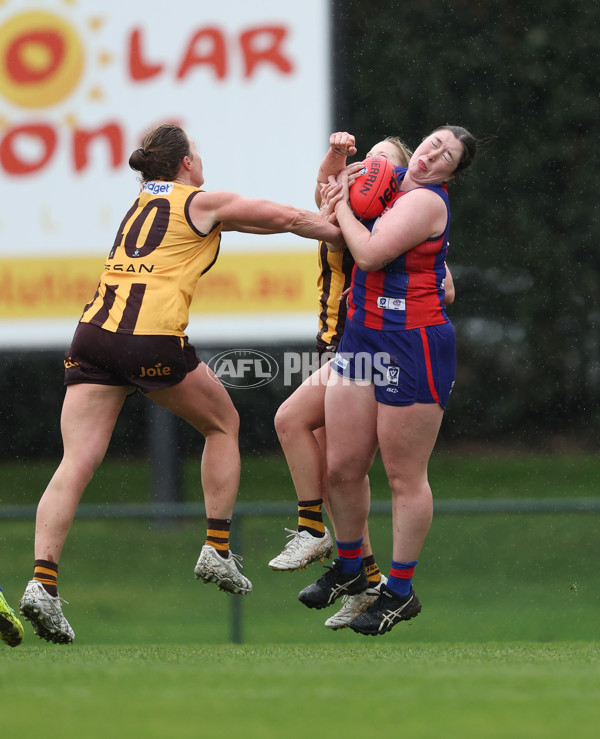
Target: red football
(374, 189)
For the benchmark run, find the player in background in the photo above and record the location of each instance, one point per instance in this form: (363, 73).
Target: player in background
(11, 629)
(131, 337)
(300, 421)
(395, 309)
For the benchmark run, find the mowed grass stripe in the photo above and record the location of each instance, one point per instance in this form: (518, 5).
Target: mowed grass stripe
(442, 690)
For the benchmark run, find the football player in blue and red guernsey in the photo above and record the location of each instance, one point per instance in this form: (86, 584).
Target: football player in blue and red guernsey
(398, 359)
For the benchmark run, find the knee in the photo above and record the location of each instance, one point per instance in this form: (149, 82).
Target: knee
(232, 423)
(285, 421)
(227, 423)
(76, 471)
(342, 470)
(406, 486)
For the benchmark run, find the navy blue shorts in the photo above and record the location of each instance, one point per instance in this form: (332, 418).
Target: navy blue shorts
(413, 366)
(102, 357)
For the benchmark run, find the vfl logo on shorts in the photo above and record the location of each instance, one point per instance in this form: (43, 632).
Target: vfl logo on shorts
(393, 373)
(391, 303)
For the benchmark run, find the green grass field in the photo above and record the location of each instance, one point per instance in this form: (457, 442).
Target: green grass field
(496, 690)
(506, 645)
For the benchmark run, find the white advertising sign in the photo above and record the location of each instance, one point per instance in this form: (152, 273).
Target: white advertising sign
(80, 83)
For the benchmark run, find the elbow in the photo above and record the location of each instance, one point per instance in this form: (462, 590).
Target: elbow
(449, 297)
(367, 265)
(369, 258)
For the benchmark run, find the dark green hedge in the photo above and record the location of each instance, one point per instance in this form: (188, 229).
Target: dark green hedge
(525, 233)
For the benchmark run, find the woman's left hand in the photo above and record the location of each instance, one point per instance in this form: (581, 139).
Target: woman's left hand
(354, 171)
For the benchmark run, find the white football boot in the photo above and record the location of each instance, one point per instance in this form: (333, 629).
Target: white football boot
(354, 605)
(301, 550)
(211, 567)
(45, 613)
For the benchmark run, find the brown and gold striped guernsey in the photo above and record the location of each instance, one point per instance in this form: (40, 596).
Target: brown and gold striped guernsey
(335, 274)
(156, 261)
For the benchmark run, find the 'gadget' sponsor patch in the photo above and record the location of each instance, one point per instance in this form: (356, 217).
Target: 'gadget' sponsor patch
(157, 188)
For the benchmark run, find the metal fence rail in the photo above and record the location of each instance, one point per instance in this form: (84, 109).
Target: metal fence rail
(193, 510)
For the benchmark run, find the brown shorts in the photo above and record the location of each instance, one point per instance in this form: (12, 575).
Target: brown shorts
(148, 363)
(325, 351)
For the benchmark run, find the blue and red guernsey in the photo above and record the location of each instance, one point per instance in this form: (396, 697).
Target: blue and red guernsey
(409, 292)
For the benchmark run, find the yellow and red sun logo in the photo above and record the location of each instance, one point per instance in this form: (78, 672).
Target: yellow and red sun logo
(41, 59)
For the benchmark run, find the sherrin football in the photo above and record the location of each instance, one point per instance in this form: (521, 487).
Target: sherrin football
(374, 189)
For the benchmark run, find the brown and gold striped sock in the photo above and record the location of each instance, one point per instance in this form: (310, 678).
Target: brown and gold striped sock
(373, 573)
(310, 517)
(217, 535)
(46, 573)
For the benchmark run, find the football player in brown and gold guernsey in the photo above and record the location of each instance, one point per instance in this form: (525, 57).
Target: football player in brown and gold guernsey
(132, 336)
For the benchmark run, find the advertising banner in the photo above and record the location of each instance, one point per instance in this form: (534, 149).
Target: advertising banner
(82, 81)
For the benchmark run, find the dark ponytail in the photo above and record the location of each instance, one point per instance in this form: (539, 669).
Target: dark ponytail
(159, 157)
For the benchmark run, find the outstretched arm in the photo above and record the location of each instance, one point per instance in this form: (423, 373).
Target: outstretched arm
(258, 216)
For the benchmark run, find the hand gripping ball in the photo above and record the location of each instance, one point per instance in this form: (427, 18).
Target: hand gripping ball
(374, 189)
